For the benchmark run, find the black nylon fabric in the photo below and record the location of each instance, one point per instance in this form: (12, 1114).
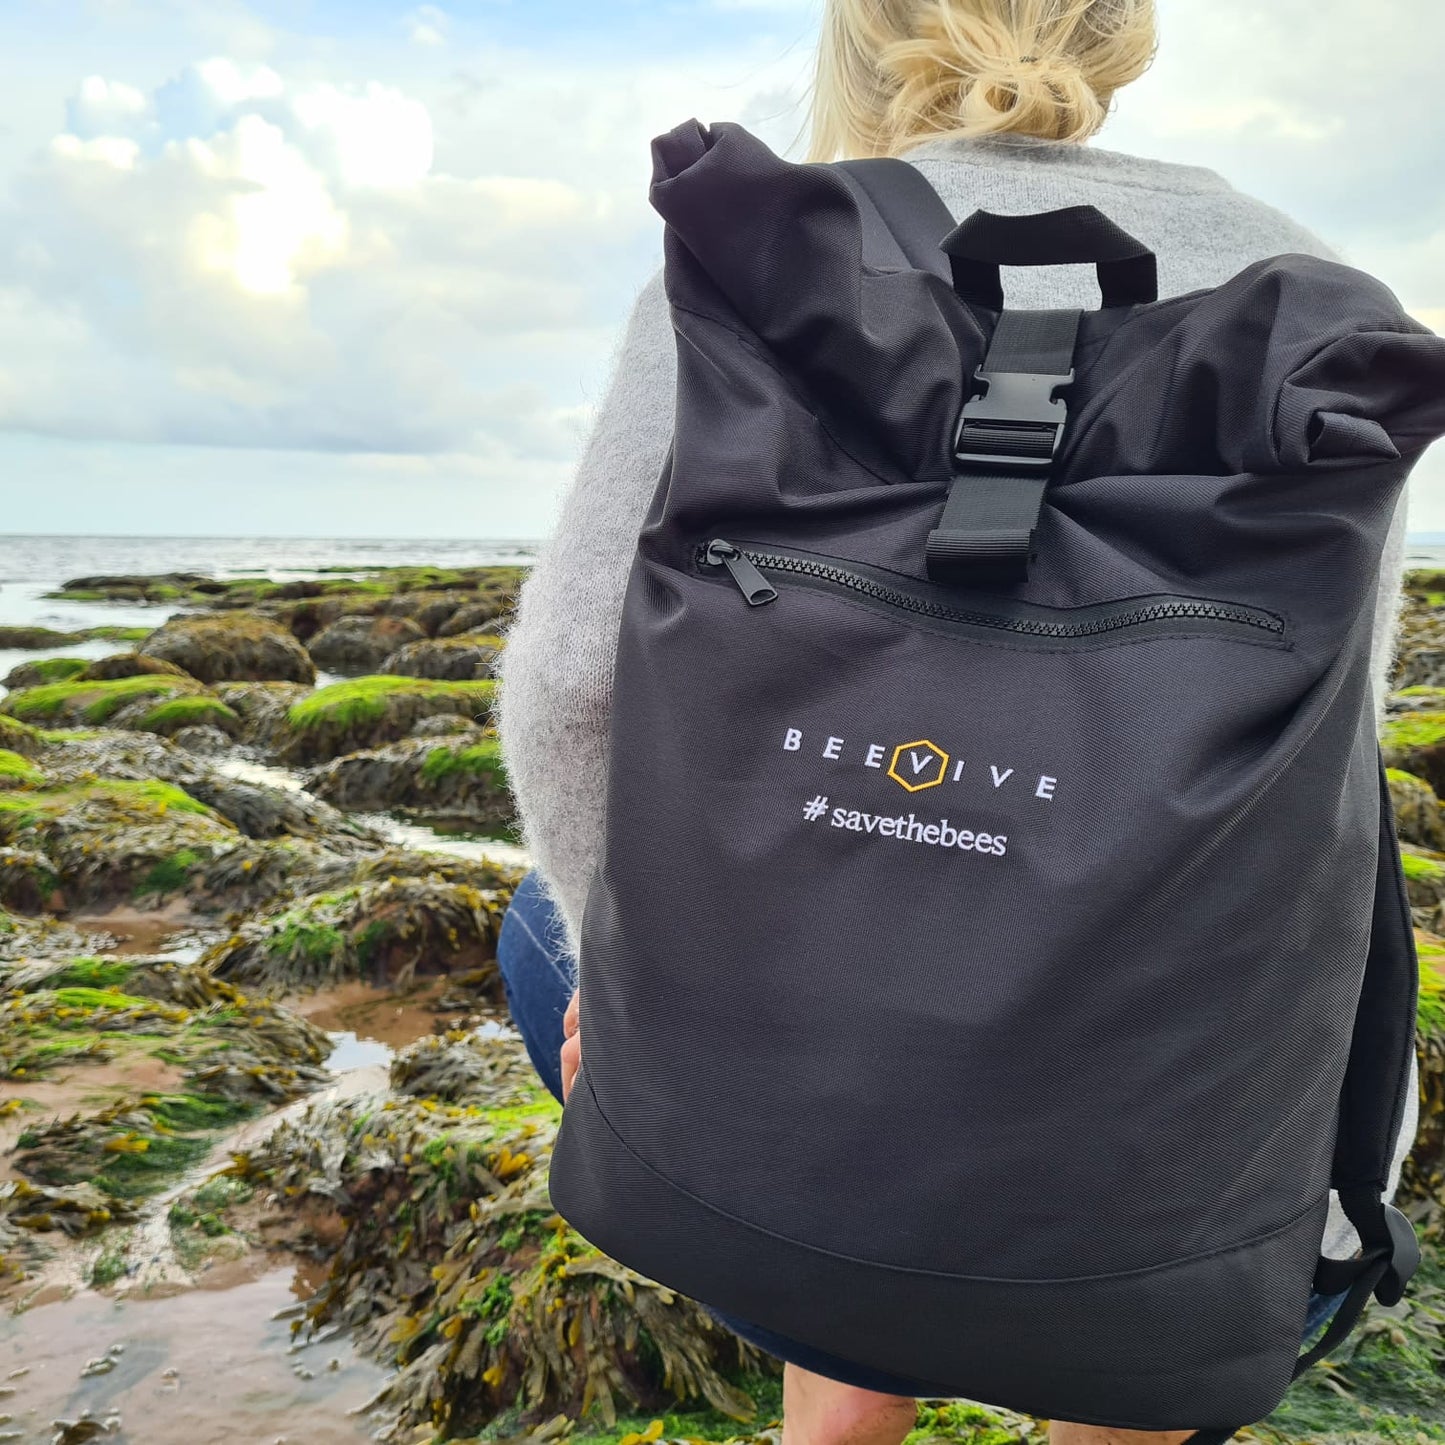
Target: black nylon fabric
(970, 1112)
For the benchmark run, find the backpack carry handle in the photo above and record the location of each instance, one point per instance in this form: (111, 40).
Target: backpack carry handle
(980, 244)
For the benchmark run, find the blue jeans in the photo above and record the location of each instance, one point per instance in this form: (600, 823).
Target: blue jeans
(531, 953)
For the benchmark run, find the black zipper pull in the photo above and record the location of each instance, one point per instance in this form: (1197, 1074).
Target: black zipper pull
(751, 583)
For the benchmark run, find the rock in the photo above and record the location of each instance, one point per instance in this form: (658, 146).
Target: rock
(368, 712)
(127, 587)
(455, 781)
(442, 725)
(129, 664)
(44, 670)
(18, 772)
(202, 739)
(360, 644)
(387, 933)
(27, 882)
(231, 647)
(171, 715)
(1414, 742)
(32, 639)
(19, 737)
(1418, 815)
(489, 1307)
(1424, 876)
(429, 610)
(469, 656)
(262, 708)
(95, 704)
(474, 617)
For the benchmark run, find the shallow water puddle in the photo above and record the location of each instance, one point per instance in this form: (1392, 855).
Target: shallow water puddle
(206, 1367)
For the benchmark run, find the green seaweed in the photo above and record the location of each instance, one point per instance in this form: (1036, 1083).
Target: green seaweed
(482, 759)
(171, 874)
(189, 710)
(15, 769)
(1424, 870)
(364, 699)
(93, 702)
(1414, 730)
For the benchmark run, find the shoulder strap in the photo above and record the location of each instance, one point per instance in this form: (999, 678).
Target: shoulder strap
(904, 218)
(1372, 1107)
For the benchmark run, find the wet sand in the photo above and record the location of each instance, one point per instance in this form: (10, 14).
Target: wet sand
(199, 1368)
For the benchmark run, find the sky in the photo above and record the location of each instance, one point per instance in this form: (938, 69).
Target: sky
(353, 268)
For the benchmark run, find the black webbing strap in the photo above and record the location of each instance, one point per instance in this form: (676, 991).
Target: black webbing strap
(1008, 435)
(904, 218)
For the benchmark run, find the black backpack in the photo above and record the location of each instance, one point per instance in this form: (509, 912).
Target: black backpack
(999, 946)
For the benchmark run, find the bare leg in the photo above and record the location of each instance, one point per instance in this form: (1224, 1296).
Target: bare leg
(819, 1411)
(1063, 1433)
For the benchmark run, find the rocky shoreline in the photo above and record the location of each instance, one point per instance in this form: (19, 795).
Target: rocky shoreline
(206, 848)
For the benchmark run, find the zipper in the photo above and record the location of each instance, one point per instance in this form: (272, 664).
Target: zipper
(747, 565)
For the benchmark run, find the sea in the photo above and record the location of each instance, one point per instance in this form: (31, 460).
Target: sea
(32, 566)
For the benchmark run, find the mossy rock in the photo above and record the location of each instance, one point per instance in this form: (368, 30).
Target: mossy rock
(386, 933)
(1424, 876)
(262, 708)
(431, 611)
(175, 713)
(475, 617)
(129, 664)
(1419, 818)
(458, 781)
(454, 1268)
(108, 839)
(471, 655)
(61, 704)
(231, 647)
(138, 587)
(370, 711)
(19, 737)
(34, 639)
(361, 644)
(1414, 742)
(18, 772)
(44, 670)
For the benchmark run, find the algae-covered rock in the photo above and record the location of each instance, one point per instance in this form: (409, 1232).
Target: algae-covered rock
(28, 883)
(137, 587)
(17, 771)
(21, 738)
(1419, 818)
(93, 704)
(174, 714)
(454, 1267)
(33, 639)
(431, 611)
(471, 655)
(262, 708)
(457, 780)
(203, 740)
(474, 617)
(1424, 876)
(367, 712)
(387, 933)
(231, 647)
(362, 644)
(128, 664)
(108, 839)
(1414, 742)
(43, 670)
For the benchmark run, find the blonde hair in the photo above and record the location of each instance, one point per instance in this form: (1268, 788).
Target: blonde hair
(892, 73)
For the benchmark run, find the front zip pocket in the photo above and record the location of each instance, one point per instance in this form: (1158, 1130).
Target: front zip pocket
(755, 567)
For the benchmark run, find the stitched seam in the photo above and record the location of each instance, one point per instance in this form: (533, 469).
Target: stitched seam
(1172, 1264)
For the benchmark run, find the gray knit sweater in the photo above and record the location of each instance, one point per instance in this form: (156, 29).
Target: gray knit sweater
(557, 668)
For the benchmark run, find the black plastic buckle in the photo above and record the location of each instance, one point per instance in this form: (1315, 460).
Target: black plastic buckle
(1014, 425)
(1404, 1258)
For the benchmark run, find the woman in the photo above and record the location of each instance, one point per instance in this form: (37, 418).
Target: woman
(993, 100)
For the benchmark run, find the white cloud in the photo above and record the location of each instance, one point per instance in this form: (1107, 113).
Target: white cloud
(107, 107)
(377, 135)
(429, 25)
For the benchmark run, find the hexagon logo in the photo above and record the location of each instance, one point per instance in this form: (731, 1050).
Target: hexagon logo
(919, 765)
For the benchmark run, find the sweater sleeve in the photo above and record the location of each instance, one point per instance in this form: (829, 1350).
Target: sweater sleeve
(555, 696)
